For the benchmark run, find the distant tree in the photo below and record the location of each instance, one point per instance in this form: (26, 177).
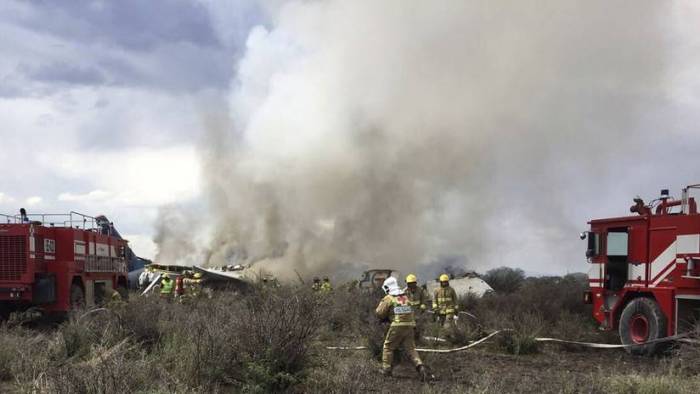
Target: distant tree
(505, 279)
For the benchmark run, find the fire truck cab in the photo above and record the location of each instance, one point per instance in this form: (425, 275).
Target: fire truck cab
(56, 263)
(644, 274)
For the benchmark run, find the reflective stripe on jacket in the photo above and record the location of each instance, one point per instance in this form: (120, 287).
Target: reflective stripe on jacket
(445, 301)
(418, 299)
(397, 309)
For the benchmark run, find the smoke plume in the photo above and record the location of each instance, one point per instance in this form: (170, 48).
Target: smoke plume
(397, 133)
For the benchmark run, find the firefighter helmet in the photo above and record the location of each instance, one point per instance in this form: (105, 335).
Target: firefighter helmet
(411, 278)
(197, 275)
(444, 278)
(166, 276)
(391, 286)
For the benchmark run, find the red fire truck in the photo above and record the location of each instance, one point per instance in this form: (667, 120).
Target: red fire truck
(645, 270)
(55, 263)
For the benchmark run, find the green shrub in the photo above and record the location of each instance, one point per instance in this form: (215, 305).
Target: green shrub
(504, 279)
(521, 338)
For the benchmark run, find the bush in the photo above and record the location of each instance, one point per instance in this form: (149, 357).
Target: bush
(257, 342)
(504, 279)
(521, 339)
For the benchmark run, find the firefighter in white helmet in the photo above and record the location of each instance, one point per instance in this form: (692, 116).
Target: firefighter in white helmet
(445, 301)
(395, 306)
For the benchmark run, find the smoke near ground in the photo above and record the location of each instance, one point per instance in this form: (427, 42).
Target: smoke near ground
(400, 133)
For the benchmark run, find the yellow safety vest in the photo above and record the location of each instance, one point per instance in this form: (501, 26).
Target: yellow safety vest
(402, 312)
(166, 286)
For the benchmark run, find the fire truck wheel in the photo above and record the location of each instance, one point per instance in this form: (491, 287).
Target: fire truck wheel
(642, 321)
(77, 297)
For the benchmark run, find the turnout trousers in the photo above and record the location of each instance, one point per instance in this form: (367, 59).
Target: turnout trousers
(399, 337)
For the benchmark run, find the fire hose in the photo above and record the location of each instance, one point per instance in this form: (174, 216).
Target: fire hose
(679, 337)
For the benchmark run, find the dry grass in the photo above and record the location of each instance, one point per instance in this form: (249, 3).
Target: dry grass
(273, 339)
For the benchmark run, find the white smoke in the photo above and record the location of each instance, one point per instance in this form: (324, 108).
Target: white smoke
(391, 133)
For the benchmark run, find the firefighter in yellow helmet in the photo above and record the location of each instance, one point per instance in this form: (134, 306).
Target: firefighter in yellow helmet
(418, 299)
(193, 286)
(115, 300)
(445, 301)
(395, 306)
(326, 286)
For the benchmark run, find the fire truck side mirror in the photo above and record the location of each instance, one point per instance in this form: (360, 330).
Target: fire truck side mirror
(583, 235)
(593, 249)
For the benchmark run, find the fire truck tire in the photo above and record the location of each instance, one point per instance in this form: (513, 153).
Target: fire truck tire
(642, 321)
(77, 297)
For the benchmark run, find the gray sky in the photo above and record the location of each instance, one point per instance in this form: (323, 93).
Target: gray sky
(102, 106)
(101, 103)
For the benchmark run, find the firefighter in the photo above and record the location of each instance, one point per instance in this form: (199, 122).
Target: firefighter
(396, 308)
(116, 300)
(445, 301)
(418, 299)
(166, 287)
(326, 285)
(194, 286)
(23, 215)
(179, 286)
(317, 284)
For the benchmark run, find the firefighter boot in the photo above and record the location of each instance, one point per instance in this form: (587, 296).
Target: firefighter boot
(424, 373)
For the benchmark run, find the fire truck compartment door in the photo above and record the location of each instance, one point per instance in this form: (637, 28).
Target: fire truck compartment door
(662, 252)
(637, 252)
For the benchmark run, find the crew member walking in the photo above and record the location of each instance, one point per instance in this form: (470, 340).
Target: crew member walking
(395, 307)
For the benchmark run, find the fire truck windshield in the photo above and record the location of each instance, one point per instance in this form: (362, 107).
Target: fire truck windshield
(617, 244)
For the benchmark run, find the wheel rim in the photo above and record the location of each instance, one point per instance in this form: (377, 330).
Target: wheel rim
(639, 328)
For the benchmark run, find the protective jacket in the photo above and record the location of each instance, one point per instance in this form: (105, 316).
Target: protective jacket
(326, 286)
(398, 310)
(193, 287)
(445, 301)
(418, 298)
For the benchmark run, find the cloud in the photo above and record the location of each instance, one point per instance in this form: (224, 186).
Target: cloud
(119, 44)
(33, 201)
(63, 72)
(134, 177)
(128, 24)
(6, 199)
(93, 196)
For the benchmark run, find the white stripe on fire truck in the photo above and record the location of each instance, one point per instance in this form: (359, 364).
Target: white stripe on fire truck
(664, 273)
(661, 262)
(689, 243)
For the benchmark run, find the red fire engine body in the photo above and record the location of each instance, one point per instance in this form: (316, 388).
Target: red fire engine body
(645, 271)
(55, 263)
